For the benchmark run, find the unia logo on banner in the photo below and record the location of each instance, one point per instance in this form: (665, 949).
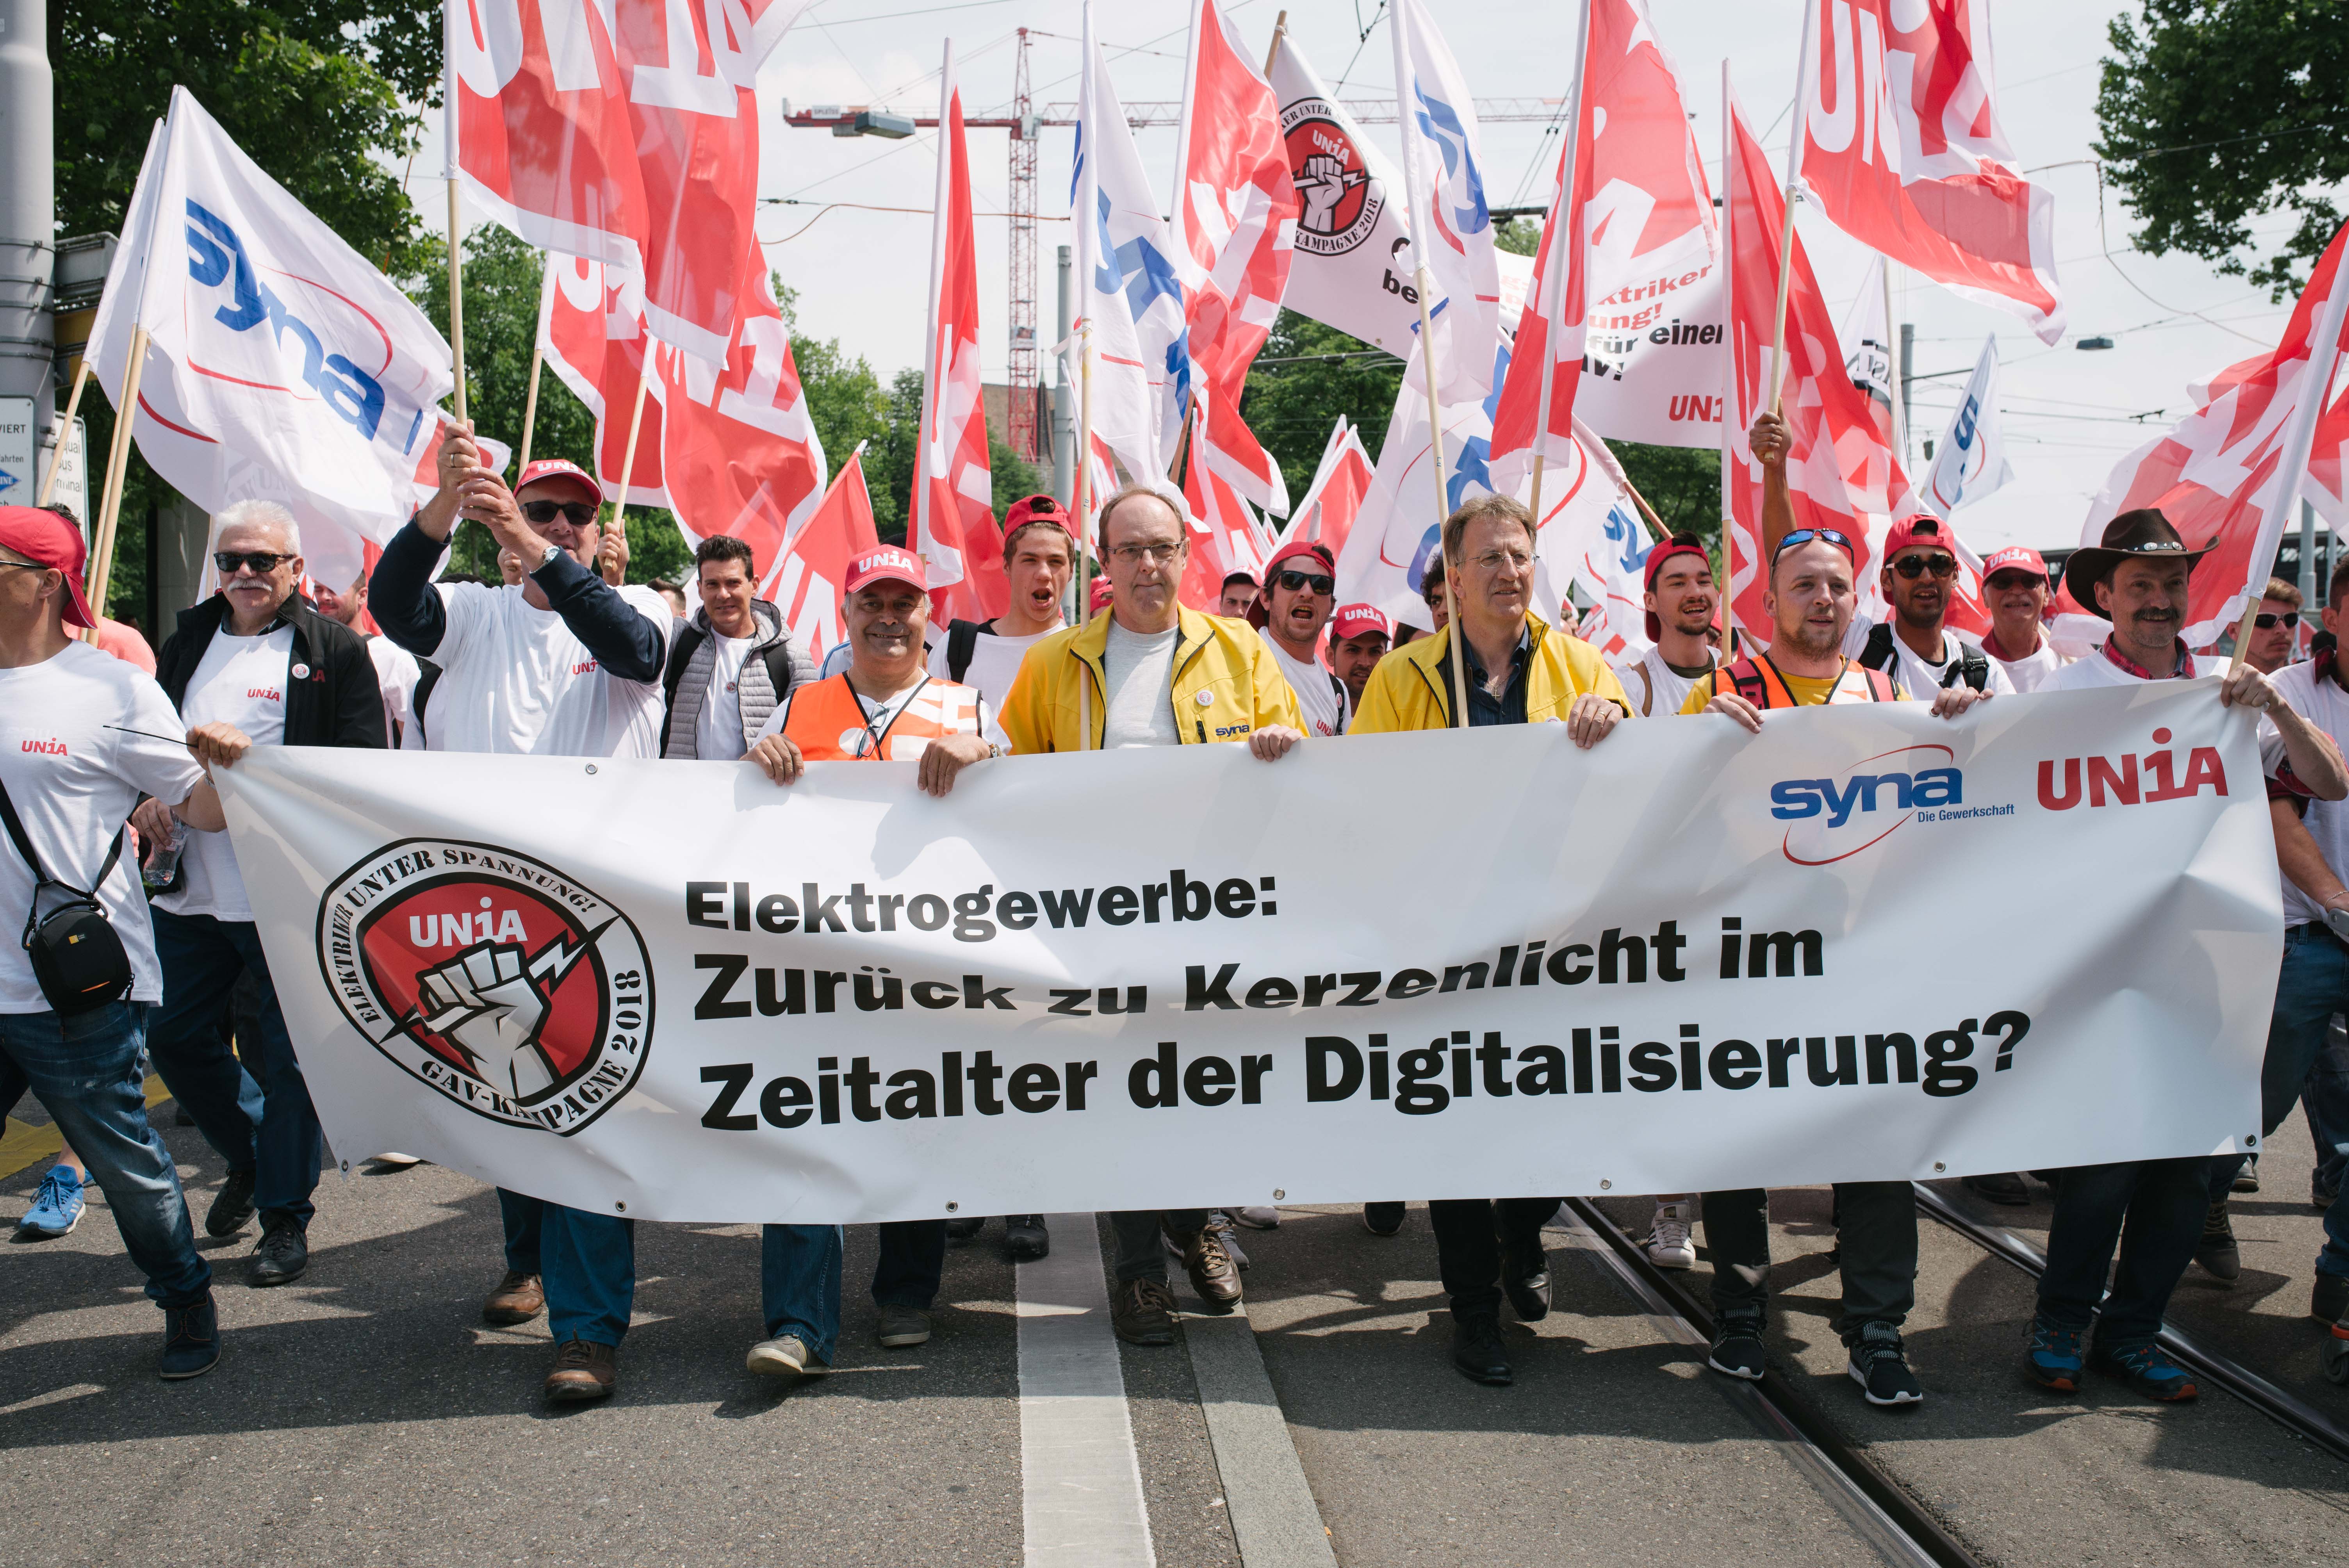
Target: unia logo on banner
(1339, 202)
(491, 976)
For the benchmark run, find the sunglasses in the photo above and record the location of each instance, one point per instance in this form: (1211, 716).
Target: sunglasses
(227, 561)
(1806, 535)
(1914, 566)
(2268, 622)
(2006, 582)
(1319, 582)
(578, 514)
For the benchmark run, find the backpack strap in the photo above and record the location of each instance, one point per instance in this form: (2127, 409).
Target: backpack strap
(680, 653)
(962, 642)
(1973, 667)
(41, 878)
(428, 676)
(1876, 652)
(1647, 687)
(1879, 685)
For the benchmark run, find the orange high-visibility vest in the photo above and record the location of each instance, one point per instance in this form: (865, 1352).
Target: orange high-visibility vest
(1757, 680)
(827, 722)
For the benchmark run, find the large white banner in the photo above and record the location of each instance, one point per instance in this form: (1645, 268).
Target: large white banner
(1439, 965)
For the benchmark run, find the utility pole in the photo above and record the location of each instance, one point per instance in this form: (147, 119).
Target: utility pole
(1064, 427)
(1025, 389)
(28, 230)
(1908, 362)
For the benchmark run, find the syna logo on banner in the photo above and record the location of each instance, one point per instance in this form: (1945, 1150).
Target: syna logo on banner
(1837, 818)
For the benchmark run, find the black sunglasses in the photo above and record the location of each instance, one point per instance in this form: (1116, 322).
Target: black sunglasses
(1320, 581)
(578, 514)
(1914, 566)
(226, 561)
(2268, 622)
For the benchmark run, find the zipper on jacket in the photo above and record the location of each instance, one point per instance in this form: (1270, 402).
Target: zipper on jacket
(1203, 730)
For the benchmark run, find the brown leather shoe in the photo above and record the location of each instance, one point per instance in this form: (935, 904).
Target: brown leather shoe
(582, 1370)
(517, 1298)
(1214, 1275)
(1142, 1312)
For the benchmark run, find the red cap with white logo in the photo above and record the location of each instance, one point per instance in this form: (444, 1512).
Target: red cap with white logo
(2014, 558)
(569, 476)
(888, 563)
(44, 538)
(1920, 528)
(1359, 621)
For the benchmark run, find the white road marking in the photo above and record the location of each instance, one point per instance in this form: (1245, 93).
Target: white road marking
(1275, 1520)
(1081, 1483)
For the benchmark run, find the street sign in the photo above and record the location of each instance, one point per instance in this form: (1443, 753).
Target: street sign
(17, 486)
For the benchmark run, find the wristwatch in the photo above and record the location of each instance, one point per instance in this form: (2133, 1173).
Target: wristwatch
(553, 553)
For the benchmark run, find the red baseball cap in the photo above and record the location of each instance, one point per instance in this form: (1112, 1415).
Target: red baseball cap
(1359, 621)
(2015, 558)
(890, 564)
(1036, 509)
(40, 535)
(570, 475)
(1295, 548)
(1917, 527)
(1677, 545)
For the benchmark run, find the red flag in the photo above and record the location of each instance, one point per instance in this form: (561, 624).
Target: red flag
(1235, 230)
(1902, 149)
(592, 333)
(806, 583)
(627, 134)
(954, 529)
(2226, 475)
(1340, 486)
(2328, 466)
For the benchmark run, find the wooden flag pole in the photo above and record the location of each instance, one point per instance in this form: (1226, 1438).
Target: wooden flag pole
(65, 431)
(118, 465)
(1786, 229)
(537, 361)
(1279, 31)
(456, 299)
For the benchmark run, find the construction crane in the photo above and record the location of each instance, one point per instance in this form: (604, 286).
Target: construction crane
(1023, 123)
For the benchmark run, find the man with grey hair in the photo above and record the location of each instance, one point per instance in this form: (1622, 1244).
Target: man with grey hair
(259, 657)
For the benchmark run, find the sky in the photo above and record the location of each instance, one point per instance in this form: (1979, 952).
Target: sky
(861, 274)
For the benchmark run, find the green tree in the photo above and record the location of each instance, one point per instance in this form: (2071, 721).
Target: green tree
(889, 458)
(2217, 112)
(1318, 374)
(1519, 236)
(1682, 483)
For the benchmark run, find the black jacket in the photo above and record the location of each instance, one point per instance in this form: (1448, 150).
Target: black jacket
(337, 703)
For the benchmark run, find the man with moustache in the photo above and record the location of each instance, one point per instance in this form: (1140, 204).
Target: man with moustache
(2014, 586)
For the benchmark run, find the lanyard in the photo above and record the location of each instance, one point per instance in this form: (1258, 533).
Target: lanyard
(875, 734)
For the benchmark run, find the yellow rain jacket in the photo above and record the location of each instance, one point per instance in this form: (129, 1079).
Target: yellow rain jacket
(1412, 688)
(1225, 687)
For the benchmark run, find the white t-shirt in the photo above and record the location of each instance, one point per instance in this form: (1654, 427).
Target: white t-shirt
(1319, 695)
(73, 781)
(1666, 689)
(240, 681)
(514, 679)
(994, 663)
(717, 733)
(2034, 669)
(1140, 667)
(2324, 705)
(395, 672)
(880, 714)
(1920, 678)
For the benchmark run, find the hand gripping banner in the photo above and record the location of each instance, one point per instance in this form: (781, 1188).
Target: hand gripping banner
(1685, 960)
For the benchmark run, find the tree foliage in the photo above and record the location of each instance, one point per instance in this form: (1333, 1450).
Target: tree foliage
(2217, 112)
(1292, 406)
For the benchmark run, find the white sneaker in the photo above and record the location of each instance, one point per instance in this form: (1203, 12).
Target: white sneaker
(1669, 1243)
(1257, 1217)
(401, 1161)
(784, 1357)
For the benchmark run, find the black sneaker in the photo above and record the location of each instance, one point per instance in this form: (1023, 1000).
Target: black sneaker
(963, 1230)
(2216, 1252)
(191, 1341)
(282, 1252)
(1477, 1350)
(1525, 1279)
(1737, 1347)
(1382, 1218)
(2330, 1303)
(1879, 1365)
(231, 1206)
(1025, 1238)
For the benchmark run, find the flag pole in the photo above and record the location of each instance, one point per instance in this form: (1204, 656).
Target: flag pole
(1085, 498)
(65, 431)
(456, 259)
(118, 465)
(1396, 23)
(1272, 51)
(2299, 440)
(537, 360)
(636, 423)
(1553, 280)
(1793, 179)
(1892, 369)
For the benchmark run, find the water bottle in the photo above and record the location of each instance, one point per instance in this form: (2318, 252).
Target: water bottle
(163, 863)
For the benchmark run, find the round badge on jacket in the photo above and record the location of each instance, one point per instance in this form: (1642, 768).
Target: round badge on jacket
(301, 672)
(1206, 699)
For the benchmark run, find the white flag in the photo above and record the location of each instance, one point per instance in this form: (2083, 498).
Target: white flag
(1867, 348)
(1970, 462)
(281, 364)
(1449, 220)
(1352, 267)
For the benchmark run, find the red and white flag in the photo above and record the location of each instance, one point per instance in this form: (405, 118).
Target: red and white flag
(954, 529)
(1340, 486)
(1227, 536)
(628, 134)
(2226, 475)
(1902, 149)
(1841, 475)
(1235, 231)
(591, 331)
(2328, 466)
(807, 583)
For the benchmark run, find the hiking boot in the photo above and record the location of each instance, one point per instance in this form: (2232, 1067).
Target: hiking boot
(1025, 1238)
(1214, 1277)
(961, 1229)
(785, 1356)
(280, 1256)
(1142, 1312)
(1382, 1218)
(2141, 1365)
(57, 1207)
(582, 1370)
(2330, 1303)
(2053, 1355)
(1477, 1350)
(2247, 1178)
(1525, 1280)
(2216, 1252)
(1668, 1244)
(902, 1327)
(232, 1205)
(1737, 1347)
(2001, 1186)
(1879, 1365)
(191, 1341)
(517, 1298)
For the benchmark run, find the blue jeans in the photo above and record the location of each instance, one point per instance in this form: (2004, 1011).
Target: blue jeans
(585, 1262)
(201, 959)
(2312, 985)
(799, 1276)
(85, 1072)
(2162, 1203)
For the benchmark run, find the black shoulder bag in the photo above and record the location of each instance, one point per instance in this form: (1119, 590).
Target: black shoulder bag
(77, 959)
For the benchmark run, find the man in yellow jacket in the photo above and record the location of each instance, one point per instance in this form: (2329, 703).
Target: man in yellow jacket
(1520, 671)
(1153, 673)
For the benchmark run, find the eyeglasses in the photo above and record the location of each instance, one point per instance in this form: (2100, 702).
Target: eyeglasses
(578, 514)
(2291, 618)
(1806, 535)
(1134, 554)
(1912, 567)
(1319, 582)
(1493, 559)
(227, 561)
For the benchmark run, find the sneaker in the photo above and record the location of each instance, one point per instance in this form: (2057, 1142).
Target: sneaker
(787, 1356)
(1025, 1238)
(232, 1205)
(2142, 1365)
(1525, 1280)
(2330, 1303)
(2216, 1252)
(2001, 1186)
(1142, 1312)
(961, 1229)
(582, 1370)
(1879, 1365)
(1477, 1350)
(191, 1341)
(2053, 1355)
(1207, 1259)
(1669, 1243)
(2247, 1179)
(396, 1162)
(2335, 1354)
(1257, 1217)
(1382, 1218)
(1737, 1347)
(902, 1327)
(57, 1207)
(517, 1298)
(280, 1256)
